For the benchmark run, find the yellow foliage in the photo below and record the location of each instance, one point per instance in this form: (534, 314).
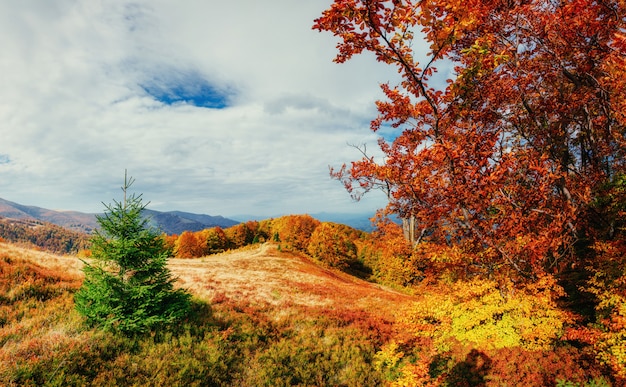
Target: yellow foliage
(416, 375)
(489, 316)
(407, 374)
(609, 286)
(388, 358)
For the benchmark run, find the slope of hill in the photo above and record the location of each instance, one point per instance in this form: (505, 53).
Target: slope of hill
(272, 318)
(42, 235)
(258, 274)
(263, 275)
(261, 317)
(171, 222)
(73, 220)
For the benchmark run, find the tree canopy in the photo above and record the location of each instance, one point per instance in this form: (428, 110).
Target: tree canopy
(505, 157)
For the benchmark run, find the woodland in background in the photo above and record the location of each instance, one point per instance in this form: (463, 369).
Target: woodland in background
(45, 236)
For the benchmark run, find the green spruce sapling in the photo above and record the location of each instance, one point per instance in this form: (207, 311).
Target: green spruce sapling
(128, 287)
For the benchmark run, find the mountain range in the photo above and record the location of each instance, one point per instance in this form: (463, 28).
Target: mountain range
(170, 222)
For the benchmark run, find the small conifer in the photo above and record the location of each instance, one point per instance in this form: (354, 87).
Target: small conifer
(128, 287)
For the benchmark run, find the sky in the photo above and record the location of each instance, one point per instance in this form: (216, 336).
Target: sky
(214, 107)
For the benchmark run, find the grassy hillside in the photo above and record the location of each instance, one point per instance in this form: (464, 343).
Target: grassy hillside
(262, 317)
(265, 317)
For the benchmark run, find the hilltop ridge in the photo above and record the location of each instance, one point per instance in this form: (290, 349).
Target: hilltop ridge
(169, 222)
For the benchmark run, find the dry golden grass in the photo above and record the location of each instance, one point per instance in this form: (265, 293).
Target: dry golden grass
(272, 315)
(258, 275)
(37, 319)
(64, 263)
(263, 276)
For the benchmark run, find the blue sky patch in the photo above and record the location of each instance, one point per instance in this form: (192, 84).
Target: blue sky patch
(4, 159)
(389, 133)
(186, 87)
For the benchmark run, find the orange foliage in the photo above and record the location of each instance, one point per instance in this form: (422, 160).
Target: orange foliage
(215, 240)
(243, 234)
(503, 159)
(295, 230)
(334, 244)
(190, 245)
(389, 255)
(169, 242)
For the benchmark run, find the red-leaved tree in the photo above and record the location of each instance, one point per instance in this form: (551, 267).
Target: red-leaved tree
(502, 157)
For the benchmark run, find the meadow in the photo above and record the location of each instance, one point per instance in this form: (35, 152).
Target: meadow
(263, 316)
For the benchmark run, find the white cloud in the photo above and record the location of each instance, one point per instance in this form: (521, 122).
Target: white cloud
(74, 110)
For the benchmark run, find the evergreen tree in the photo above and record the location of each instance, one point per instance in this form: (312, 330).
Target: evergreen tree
(128, 287)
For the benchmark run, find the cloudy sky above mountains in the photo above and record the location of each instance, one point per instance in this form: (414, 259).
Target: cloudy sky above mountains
(216, 107)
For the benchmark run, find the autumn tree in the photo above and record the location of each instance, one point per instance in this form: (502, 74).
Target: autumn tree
(243, 234)
(295, 230)
(169, 241)
(128, 287)
(190, 245)
(334, 244)
(501, 157)
(216, 240)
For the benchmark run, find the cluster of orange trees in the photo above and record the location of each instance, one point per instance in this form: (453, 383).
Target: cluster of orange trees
(333, 243)
(384, 255)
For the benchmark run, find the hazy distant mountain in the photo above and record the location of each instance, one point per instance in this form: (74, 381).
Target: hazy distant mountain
(172, 222)
(358, 221)
(175, 222)
(73, 220)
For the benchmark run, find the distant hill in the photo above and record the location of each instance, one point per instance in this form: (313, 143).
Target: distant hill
(42, 235)
(175, 222)
(73, 220)
(359, 221)
(171, 222)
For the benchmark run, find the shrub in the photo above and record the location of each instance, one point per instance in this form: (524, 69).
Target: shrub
(488, 316)
(608, 284)
(388, 253)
